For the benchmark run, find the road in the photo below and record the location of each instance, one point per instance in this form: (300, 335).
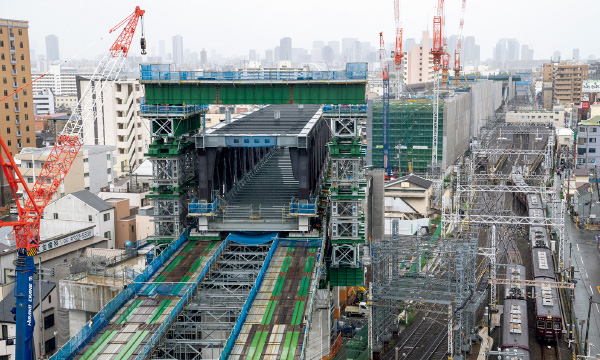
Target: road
(586, 261)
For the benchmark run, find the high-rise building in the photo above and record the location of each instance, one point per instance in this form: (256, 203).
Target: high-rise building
(348, 49)
(562, 83)
(162, 50)
(575, 54)
(469, 51)
(177, 49)
(269, 56)
(357, 51)
(52, 53)
(61, 80)
(525, 53)
(252, 55)
(119, 123)
(506, 50)
(285, 49)
(327, 55)
(418, 63)
(203, 58)
(556, 56)
(17, 111)
(335, 48)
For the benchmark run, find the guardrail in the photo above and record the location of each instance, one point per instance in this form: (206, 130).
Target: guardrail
(158, 333)
(102, 318)
(312, 298)
(163, 72)
(309, 208)
(172, 110)
(203, 208)
(344, 109)
(248, 304)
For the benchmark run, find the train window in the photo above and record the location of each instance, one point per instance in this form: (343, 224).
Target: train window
(548, 324)
(557, 325)
(540, 324)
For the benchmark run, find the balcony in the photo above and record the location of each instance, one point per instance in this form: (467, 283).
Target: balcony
(13, 59)
(11, 35)
(19, 146)
(16, 96)
(14, 72)
(17, 109)
(18, 121)
(19, 134)
(15, 85)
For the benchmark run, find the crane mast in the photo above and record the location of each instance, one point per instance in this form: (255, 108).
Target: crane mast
(386, 106)
(437, 51)
(398, 54)
(457, 66)
(57, 165)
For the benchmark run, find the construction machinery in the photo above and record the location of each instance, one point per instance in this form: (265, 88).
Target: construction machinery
(386, 107)
(398, 54)
(438, 50)
(27, 228)
(457, 67)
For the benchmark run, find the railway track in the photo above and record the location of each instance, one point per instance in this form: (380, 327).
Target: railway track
(439, 349)
(424, 339)
(549, 352)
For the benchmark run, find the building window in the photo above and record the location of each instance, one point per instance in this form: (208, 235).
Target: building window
(26, 115)
(8, 130)
(90, 218)
(594, 129)
(25, 103)
(132, 228)
(22, 67)
(4, 81)
(48, 321)
(23, 80)
(3, 67)
(55, 216)
(21, 44)
(581, 129)
(108, 171)
(106, 217)
(27, 128)
(580, 151)
(9, 143)
(50, 345)
(27, 140)
(4, 332)
(1, 43)
(107, 156)
(86, 174)
(107, 235)
(592, 150)
(20, 32)
(592, 140)
(22, 57)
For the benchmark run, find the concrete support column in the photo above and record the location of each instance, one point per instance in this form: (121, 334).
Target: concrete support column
(206, 170)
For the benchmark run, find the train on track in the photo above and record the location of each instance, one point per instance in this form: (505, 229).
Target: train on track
(515, 331)
(548, 321)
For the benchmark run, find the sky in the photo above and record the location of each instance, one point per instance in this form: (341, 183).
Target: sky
(233, 27)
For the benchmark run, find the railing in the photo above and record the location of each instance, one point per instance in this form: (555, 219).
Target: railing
(248, 304)
(312, 298)
(101, 319)
(345, 109)
(172, 110)
(309, 208)
(354, 71)
(158, 333)
(201, 207)
(16, 96)
(17, 109)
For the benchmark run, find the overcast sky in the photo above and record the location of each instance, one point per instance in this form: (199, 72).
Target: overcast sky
(232, 27)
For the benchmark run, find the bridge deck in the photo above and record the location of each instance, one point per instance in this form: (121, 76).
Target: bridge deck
(131, 328)
(274, 328)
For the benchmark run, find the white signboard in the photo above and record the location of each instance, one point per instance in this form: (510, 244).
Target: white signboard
(419, 147)
(49, 245)
(591, 86)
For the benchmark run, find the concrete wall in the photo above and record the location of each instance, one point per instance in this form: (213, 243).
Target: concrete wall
(87, 297)
(486, 97)
(144, 226)
(98, 164)
(457, 117)
(124, 232)
(534, 117)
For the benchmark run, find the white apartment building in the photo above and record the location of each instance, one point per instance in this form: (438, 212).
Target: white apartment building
(91, 170)
(62, 80)
(535, 117)
(418, 62)
(43, 102)
(119, 124)
(66, 102)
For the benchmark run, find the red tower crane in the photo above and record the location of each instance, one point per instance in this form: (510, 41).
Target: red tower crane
(54, 170)
(438, 50)
(398, 54)
(457, 67)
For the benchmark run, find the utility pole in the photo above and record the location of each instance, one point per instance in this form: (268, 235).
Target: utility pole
(587, 329)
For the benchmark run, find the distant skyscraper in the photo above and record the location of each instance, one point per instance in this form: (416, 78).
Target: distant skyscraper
(335, 48)
(285, 49)
(203, 59)
(177, 49)
(506, 50)
(575, 54)
(252, 55)
(556, 56)
(525, 53)
(162, 50)
(327, 55)
(52, 52)
(269, 56)
(470, 51)
(357, 52)
(348, 48)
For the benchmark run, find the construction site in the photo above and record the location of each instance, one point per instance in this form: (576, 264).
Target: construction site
(269, 238)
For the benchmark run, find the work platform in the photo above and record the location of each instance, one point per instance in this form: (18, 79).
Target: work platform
(132, 329)
(164, 85)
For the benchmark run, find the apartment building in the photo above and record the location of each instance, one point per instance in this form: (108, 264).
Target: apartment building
(119, 123)
(43, 102)
(562, 83)
(17, 127)
(418, 62)
(62, 80)
(91, 170)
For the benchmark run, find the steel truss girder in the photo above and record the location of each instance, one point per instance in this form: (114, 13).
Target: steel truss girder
(344, 127)
(345, 255)
(491, 152)
(345, 208)
(346, 169)
(346, 228)
(527, 189)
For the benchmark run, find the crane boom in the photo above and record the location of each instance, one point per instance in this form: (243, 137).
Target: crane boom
(386, 106)
(27, 228)
(398, 54)
(457, 65)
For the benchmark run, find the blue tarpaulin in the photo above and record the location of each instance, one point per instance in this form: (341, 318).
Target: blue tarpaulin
(252, 237)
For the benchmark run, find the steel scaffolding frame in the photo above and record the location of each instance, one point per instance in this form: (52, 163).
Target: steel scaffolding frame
(205, 324)
(427, 270)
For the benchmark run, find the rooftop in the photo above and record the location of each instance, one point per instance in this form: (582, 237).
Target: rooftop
(414, 179)
(93, 149)
(92, 200)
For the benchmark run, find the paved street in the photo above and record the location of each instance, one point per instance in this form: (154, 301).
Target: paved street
(586, 260)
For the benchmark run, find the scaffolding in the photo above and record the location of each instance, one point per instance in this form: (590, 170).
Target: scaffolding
(429, 270)
(411, 135)
(346, 193)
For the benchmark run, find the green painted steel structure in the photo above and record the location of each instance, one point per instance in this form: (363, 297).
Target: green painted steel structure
(231, 93)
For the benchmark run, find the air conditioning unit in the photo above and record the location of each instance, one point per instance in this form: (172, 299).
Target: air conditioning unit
(10, 342)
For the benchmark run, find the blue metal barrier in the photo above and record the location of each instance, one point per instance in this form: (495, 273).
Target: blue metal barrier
(101, 319)
(172, 110)
(162, 72)
(310, 208)
(248, 304)
(198, 207)
(158, 333)
(345, 109)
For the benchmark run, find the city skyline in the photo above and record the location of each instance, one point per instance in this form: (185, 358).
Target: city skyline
(348, 22)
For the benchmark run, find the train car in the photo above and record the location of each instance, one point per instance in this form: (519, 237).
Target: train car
(534, 202)
(548, 321)
(539, 237)
(547, 306)
(515, 272)
(514, 327)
